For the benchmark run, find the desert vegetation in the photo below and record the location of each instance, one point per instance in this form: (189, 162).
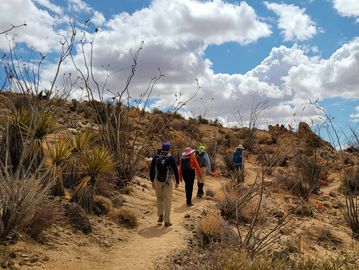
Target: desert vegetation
(67, 163)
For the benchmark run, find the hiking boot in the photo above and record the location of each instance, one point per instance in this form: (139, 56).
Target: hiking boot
(189, 204)
(199, 195)
(160, 219)
(168, 224)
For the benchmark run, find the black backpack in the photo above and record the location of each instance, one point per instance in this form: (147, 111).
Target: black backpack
(162, 166)
(186, 163)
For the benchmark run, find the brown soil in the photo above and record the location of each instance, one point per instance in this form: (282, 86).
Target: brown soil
(111, 246)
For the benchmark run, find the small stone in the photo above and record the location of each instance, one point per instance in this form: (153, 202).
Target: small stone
(187, 216)
(336, 205)
(46, 259)
(332, 194)
(12, 255)
(34, 260)
(4, 264)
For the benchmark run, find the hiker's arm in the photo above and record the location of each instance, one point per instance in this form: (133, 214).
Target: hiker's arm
(208, 161)
(196, 166)
(153, 169)
(180, 171)
(174, 168)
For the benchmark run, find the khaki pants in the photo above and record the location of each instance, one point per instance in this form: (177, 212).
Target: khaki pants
(164, 192)
(204, 173)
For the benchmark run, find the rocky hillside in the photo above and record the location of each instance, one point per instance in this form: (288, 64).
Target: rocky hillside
(293, 181)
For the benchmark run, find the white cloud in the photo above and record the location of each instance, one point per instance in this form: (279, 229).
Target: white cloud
(349, 8)
(38, 33)
(47, 4)
(287, 78)
(294, 23)
(178, 21)
(98, 18)
(79, 6)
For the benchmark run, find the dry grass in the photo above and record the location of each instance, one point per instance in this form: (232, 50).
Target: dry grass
(78, 218)
(48, 213)
(213, 229)
(125, 216)
(103, 205)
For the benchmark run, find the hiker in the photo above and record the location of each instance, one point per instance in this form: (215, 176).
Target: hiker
(238, 158)
(188, 165)
(205, 165)
(163, 166)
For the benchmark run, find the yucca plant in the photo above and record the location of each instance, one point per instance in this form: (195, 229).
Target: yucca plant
(17, 126)
(58, 155)
(96, 162)
(80, 143)
(43, 124)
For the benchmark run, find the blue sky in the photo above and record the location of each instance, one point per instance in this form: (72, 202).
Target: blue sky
(284, 53)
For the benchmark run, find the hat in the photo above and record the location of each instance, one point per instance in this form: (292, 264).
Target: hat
(201, 149)
(166, 146)
(240, 147)
(188, 151)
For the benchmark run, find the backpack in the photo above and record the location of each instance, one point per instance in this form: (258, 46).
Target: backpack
(201, 160)
(237, 158)
(162, 167)
(186, 163)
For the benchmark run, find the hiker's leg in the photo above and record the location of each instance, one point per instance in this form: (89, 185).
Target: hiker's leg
(201, 182)
(159, 186)
(168, 190)
(186, 186)
(191, 177)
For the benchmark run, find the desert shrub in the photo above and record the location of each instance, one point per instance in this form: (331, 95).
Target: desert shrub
(287, 181)
(303, 210)
(202, 120)
(126, 217)
(268, 160)
(249, 138)
(58, 155)
(96, 162)
(350, 181)
(102, 205)
(308, 171)
(231, 204)
(213, 229)
(47, 214)
(20, 198)
(78, 218)
(325, 236)
(238, 176)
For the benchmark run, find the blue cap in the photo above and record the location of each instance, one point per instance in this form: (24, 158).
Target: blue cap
(166, 146)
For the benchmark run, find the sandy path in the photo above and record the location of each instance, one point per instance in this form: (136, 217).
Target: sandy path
(143, 246)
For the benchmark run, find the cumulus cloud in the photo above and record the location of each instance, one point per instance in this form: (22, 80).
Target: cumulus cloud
(47, 4)
(293, 22)
(176, 34)
(349, 8)
(175, 22)
(39, 32)
(79, 6)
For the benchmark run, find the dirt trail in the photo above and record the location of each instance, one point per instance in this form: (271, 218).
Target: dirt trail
(143, 246)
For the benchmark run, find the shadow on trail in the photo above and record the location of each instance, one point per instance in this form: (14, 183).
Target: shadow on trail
(154, 231)
(182, 209)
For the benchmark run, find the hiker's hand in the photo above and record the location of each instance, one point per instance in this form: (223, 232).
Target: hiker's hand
(153, 184)
(176, 185)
